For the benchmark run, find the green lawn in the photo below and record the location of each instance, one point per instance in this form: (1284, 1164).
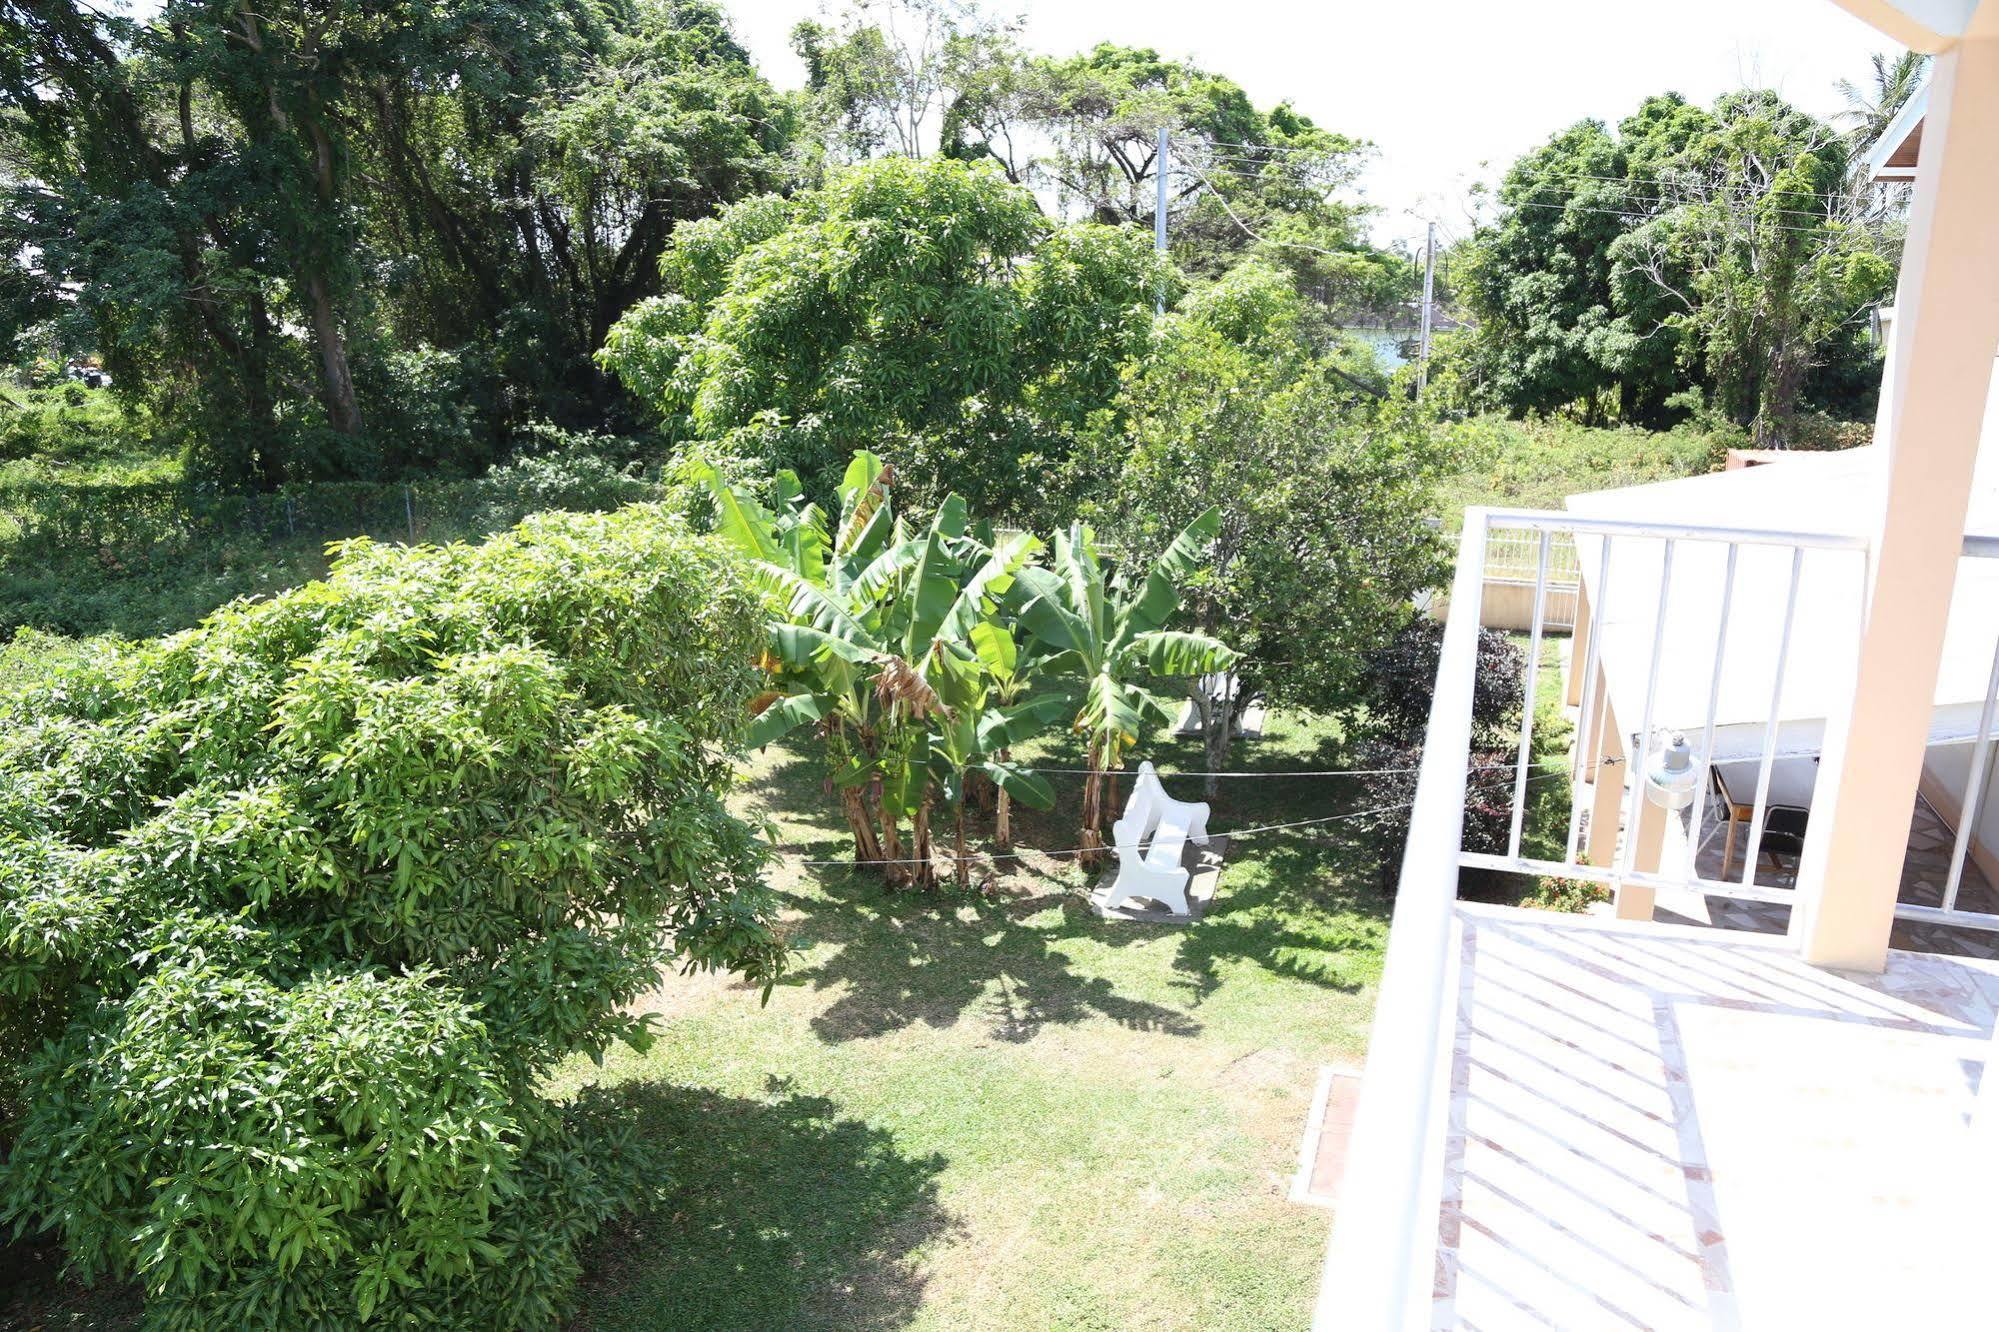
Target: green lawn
(997, 1111)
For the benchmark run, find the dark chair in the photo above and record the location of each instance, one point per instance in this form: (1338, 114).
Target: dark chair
(1784, 831)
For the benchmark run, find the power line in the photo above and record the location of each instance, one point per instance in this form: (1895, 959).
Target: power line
(1823, 215)
(1249, 231)
(1230, 833)
(1646, 217)
(1664, 181)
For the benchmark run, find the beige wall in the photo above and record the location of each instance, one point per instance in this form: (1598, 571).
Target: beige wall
(1508, 605)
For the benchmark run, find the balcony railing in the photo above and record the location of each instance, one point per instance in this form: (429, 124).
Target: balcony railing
(1774, 618)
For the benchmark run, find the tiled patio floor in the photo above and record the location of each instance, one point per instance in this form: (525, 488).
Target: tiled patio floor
(1662, 1127)
(1924, 873)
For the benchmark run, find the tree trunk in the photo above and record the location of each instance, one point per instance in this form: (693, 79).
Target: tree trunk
(867, 849)
(1093, 801)
(1777, 403)
(1217, 731)
(895, 872)
(1002, 811)
(343, 413)
(924, 871)
(964, 874)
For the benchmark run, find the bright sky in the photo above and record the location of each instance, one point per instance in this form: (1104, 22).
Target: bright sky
(1444, 86)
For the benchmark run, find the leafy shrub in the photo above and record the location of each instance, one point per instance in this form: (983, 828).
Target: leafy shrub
(299, 908)
(1538, 464)
(1401, 680)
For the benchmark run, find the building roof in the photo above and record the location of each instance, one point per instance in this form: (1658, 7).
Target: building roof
(1835, 493)
(1894, 154)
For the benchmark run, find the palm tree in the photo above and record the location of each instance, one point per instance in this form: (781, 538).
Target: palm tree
(1869, 110)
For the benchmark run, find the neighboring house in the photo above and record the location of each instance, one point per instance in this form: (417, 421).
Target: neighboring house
(1620, 1122)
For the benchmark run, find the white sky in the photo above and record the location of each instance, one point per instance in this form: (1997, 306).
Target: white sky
(1444, 86)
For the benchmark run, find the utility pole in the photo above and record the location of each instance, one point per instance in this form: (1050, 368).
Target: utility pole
(1429, 288)
(1159, 208)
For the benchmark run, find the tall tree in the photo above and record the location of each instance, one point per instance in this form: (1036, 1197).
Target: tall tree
(1766, 255)
(1893, 81)
(1724, 250)
(285, 224)
(923, 309)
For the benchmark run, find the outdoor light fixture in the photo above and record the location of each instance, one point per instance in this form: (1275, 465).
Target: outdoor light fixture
(1669, 774)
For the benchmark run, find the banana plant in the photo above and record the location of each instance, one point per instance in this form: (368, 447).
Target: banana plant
(978, 729)
(827, 584)
(1111, 634)
(875, 644)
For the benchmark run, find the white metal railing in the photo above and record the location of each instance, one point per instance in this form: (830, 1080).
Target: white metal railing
(1380, 1263)
(1379, 1267)
(1977, 792)
(1613, 854)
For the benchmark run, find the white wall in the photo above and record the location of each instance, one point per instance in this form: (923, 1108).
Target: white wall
(1945, 768)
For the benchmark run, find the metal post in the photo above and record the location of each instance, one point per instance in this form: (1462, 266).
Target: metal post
(1429, 290)
(1527, 708)
(409, 512)
(1159, 207)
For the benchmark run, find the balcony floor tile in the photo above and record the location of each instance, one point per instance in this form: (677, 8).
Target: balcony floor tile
(1658, 1127)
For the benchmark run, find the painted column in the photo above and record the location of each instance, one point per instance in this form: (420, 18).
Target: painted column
(1945, 332)
(1578, 647)
(1606, 809)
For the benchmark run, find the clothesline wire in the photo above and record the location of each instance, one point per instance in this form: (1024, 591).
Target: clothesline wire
(949, 859)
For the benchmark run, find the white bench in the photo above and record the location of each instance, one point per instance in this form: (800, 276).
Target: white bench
(1149, 805)
(1150, 840)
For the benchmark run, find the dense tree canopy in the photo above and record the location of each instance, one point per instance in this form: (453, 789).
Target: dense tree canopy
(925, 309)
(291, 230)
(1726, 251)
(1322, 489)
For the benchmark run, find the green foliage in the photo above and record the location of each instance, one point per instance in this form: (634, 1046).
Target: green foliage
(925, 309)
(914, 651)
(298, 909)
(361, 242)
(1726, 250)
(1323, 492)
(1397, 696)
(1531, 464)
(103, 535)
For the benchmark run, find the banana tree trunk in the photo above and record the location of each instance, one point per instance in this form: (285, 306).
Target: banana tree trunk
(1093, 802)
(1003, 811)
(924, 871)
(895, 871)
(867, 847)
(964, 872)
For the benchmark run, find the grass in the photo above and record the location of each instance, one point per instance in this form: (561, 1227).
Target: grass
(994, 1110)
(1538, 464)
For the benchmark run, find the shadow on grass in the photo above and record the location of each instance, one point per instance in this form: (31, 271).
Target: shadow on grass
(906, 958)
(1301, 909)
(781, 1215)
(1302, 906)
